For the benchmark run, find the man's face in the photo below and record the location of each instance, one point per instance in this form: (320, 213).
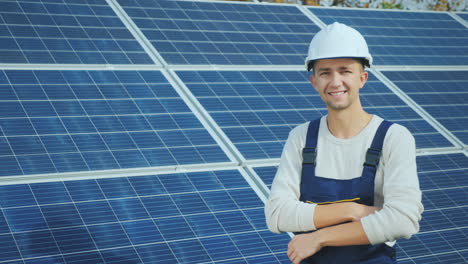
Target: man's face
(338, 82)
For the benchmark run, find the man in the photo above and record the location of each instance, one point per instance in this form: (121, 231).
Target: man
(347, 183)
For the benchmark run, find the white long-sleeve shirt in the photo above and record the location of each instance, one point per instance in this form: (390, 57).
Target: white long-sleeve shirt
(396, 182)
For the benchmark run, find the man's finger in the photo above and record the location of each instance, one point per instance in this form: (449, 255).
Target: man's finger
(290, 253)
(290, 247)
(293, 257)
(296, 260)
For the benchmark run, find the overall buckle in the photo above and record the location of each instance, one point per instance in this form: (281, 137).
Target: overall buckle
(372, 157)
(309, 156)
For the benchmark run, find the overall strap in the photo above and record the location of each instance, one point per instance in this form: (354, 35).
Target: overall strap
(374, 152)
(309, 152)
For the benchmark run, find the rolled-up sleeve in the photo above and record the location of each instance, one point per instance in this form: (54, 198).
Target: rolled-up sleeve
(402, 206)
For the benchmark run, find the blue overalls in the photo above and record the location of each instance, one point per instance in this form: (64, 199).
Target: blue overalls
(319, 190)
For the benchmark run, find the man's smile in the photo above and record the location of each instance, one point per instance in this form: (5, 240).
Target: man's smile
(337, 93)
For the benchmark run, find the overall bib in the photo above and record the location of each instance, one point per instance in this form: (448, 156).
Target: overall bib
(319, 190)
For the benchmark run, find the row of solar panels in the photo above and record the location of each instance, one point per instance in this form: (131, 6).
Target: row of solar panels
(62, 121)
(204, 217)
(197, 32)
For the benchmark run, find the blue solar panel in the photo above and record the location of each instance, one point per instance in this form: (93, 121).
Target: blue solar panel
(267, 174)
(442, 94)
(80, 32)
(198, 217)
(463, 15)
(405, 38)
(257, 109)
(63, 121)
(443, 234)
(223, 33)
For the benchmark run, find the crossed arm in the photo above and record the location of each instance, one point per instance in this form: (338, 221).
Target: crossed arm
(338, 225)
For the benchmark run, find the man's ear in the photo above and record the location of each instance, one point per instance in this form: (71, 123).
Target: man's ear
(364, 76)
(312, 81)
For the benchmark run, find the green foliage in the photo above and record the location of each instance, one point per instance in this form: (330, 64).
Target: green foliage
(389, 5)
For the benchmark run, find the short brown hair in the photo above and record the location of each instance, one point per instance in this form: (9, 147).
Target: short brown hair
(364, 62)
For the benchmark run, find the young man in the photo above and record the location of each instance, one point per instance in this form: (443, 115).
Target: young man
(347, 183)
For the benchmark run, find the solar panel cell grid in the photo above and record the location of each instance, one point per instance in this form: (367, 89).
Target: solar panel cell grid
(441, 94)
(99, 123)
(221, 33)
(267, 174)
(443, 227)
(56, 32)
(463, 15)
(185, 221)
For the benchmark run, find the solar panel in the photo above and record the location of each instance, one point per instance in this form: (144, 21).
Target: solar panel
(257, 109)
(223, 33)
(202, 217)
(442, 94)
(267, 174)
(405, 38)
(443, 234)
(463, 15)
(63, 121)
(80, 32)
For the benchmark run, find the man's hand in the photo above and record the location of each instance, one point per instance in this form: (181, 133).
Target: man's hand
(303, 246)
(306, 245)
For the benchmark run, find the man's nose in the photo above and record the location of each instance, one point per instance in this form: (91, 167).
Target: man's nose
(336, 80)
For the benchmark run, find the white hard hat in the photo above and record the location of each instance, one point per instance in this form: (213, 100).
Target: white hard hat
(337, 41)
